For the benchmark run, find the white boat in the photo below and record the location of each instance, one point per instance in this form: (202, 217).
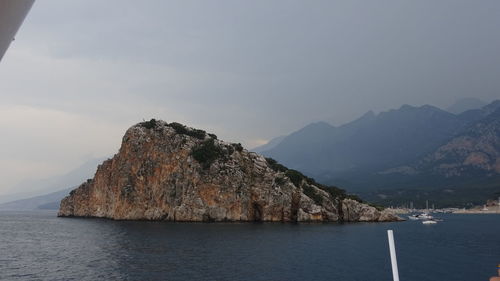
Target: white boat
(425, 216)
(429, 222)
(422, 216)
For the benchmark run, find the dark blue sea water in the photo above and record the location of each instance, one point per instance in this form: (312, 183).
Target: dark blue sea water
(40, 246)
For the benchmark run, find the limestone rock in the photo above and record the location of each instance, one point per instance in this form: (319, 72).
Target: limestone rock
(175, 173)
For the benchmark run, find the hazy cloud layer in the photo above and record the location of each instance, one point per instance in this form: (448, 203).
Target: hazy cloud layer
(82, 71)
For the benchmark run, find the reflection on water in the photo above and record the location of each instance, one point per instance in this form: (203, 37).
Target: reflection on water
(42, 247)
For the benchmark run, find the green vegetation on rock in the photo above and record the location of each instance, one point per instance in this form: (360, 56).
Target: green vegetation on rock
(179, 129)
(151, 124)
(207, 152)
(238, 147)
(311, 193)
(300, 180)
(277, 167)
(183, 130)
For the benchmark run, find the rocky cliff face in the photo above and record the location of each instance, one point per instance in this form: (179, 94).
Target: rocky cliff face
(171, 172)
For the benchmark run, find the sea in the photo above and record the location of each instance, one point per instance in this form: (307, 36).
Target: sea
(41, 246)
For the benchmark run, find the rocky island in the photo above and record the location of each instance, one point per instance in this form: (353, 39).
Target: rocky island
(167, 171)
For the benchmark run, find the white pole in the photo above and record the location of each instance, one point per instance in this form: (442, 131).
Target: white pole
(394, 261)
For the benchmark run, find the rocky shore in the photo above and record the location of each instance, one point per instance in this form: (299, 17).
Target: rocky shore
(174, 173)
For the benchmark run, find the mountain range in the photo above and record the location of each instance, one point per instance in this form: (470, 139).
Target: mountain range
(465, 104)
(49, 201)
(390, 158)
(419, 150)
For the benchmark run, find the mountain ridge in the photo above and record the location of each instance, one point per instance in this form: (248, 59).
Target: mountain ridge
(40, 187)
(46, 201)
(397, 142)
(465, 104)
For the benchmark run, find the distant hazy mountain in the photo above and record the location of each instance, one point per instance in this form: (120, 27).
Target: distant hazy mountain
(270, 145)
(411, 147)
(49, 201)
(465, 169)
(465, 104)
(368, 144)
(32, 188)
(475, 150)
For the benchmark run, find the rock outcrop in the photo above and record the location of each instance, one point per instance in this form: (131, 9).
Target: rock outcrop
(175, 173)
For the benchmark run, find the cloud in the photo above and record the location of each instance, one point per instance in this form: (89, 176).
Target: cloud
(80, 72)
(37, 143)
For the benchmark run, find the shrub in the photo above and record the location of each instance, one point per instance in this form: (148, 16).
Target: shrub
(230, 149)
(295, 176)
(213, 136)
(378, 207)
(183, 130)
(207, 152)
(151, 124)
(334, 191)
(340, 193)
(277, 167)
(310, 192)
(179, 128)
(238, 147)
(199, 134)
(280, 181)
(354, 197)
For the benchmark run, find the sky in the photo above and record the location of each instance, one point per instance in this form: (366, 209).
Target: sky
(81, 72)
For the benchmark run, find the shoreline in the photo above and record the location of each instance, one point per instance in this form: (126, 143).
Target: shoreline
(490, 211)
(477, 210)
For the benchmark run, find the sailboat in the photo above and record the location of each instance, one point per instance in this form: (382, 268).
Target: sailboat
(423, 216)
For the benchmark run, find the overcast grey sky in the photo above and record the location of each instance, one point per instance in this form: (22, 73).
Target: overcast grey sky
(80, 72)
